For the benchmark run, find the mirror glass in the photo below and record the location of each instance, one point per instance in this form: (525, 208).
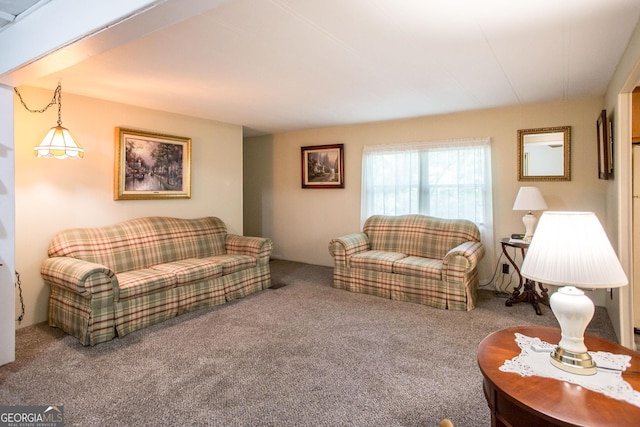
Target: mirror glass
(544, 154)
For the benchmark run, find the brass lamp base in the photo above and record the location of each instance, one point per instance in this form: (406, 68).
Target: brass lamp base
(576, 363)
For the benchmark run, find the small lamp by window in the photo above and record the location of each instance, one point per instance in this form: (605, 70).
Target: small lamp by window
(58, 142)
(529, 199)
(571, 249)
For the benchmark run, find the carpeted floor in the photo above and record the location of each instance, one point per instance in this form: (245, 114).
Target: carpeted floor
(300, 354)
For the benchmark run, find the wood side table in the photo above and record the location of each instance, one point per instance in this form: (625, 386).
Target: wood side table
(538, 401)
(526, 289)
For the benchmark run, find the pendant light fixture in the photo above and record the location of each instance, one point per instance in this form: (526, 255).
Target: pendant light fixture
(58, 142)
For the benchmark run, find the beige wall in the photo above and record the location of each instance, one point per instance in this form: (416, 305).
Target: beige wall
(302, 221)
(52, 195)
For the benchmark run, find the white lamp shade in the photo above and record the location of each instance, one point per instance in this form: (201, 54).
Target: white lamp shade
(529, 199)
(572, 248)
(60, 144)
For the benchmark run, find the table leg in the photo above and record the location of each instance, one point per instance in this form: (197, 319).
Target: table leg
(530, 295)
(526, 289)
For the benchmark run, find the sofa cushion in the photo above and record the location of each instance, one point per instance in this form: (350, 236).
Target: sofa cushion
(375, 260)
(191, 270)
(419, 266)
(142, 282)
(232, 263)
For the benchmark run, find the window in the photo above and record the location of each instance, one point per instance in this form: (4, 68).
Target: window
(445, 179)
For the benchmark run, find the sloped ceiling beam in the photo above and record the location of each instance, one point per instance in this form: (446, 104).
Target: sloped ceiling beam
(32, 50)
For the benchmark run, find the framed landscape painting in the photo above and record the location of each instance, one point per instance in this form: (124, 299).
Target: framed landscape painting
(151, 166)
(323, 166)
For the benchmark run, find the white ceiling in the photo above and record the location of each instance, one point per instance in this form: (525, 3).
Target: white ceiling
(281, 65)
(12, 10)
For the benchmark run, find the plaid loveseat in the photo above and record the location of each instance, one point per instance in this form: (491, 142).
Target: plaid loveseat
(414, 258)
(109, 281)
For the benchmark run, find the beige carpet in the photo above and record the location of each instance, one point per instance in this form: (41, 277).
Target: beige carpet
(301, 354)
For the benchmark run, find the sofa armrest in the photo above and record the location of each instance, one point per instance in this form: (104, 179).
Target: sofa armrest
(257, 247)
(83, 277)
(341, 248)
(461, 260)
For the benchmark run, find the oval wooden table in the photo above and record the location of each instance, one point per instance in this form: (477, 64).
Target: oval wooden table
(515, 400)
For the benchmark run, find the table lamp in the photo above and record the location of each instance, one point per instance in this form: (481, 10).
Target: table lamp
(571, 249)
(529, 199)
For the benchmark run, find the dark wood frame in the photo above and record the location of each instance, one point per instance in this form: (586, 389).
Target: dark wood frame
(123, 169)
(326, 176)
(604, 156)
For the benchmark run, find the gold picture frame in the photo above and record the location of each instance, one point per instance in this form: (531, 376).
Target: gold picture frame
(323, 166)
(150, 166)
(544, 154)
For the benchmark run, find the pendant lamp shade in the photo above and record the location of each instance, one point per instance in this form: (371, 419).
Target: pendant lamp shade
(58, 143)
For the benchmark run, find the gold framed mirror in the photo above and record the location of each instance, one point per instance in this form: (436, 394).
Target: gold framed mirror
(544, 154)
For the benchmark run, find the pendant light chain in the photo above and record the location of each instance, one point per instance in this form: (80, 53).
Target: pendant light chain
(55, 100)
(59, 91)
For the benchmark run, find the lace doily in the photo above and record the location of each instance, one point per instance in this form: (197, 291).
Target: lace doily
(607, 380)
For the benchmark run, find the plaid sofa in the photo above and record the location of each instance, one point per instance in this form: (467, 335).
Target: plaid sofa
(109, 281)
(414, 258)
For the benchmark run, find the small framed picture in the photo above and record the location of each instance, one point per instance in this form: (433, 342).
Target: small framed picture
(323, 166)
(151, 166)
(604, 156)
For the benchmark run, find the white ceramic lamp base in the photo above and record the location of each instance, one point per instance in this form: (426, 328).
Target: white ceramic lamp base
(573, 310)
(529, 221)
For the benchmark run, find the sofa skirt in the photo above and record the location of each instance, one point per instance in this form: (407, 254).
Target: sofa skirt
(91, 320)
(426, 291)
(140, 312)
